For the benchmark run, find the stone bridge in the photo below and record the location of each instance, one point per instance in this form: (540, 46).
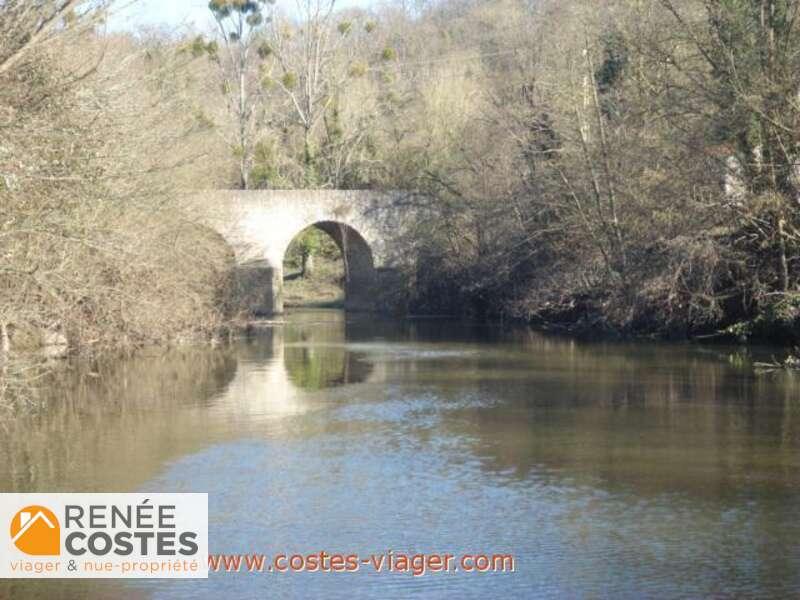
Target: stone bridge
(372, 230)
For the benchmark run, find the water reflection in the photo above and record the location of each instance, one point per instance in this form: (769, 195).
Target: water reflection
(110, 425)
(610, 470)
(316, 355)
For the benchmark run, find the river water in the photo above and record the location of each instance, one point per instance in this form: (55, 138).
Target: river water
(607, 470)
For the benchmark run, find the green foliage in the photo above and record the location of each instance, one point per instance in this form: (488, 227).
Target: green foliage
(615, 58)
(333, 125)
(311, 242)
(251, 11)
(316, 368)
(225, 8)
(357, 70)
(388, 54)
(311, 176)
(345, 27)
(778, 321)
(609, 74)
(742, 331)
(289, 80)
(265, 173)
(203, 120)
(304, 247)
(212, 48)
(197, 47)
(264, 50)
(370, 26)
(255, 20)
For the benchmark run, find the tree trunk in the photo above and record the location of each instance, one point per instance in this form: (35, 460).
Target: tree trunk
(308, 158)
(243, 142)
(784, 263)
(5, 340)
(307, 268)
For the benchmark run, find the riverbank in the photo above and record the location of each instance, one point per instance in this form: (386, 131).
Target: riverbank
(589, 316)
(320, 287)
(642, 306)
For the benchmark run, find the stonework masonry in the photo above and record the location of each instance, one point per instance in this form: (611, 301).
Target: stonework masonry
(372, 229)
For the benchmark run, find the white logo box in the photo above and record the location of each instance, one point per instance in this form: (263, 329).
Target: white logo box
(109, 536)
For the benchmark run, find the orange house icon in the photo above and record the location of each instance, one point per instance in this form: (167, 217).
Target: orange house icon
(36, 532)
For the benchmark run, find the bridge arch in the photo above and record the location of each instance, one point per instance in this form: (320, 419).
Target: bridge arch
(371, 228)
(360, 275)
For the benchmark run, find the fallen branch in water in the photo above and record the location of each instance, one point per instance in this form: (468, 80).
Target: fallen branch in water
(790, 362)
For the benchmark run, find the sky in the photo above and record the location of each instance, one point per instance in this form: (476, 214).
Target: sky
(177, 13)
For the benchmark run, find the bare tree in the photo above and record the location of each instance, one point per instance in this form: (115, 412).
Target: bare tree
(89, 163)
(240, 26)
(27, 26)
(309, 73)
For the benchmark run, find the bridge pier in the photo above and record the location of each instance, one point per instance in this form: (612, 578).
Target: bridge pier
(258, 289)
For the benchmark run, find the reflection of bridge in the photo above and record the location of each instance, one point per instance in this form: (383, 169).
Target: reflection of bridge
(368, 227)
(283, 373)
(196, 398)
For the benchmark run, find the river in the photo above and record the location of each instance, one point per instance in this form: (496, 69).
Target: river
(620, 470)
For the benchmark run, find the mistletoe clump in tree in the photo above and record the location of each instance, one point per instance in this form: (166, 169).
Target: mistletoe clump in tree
(240, 24)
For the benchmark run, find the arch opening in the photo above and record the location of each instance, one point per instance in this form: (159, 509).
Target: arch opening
(329, 264)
